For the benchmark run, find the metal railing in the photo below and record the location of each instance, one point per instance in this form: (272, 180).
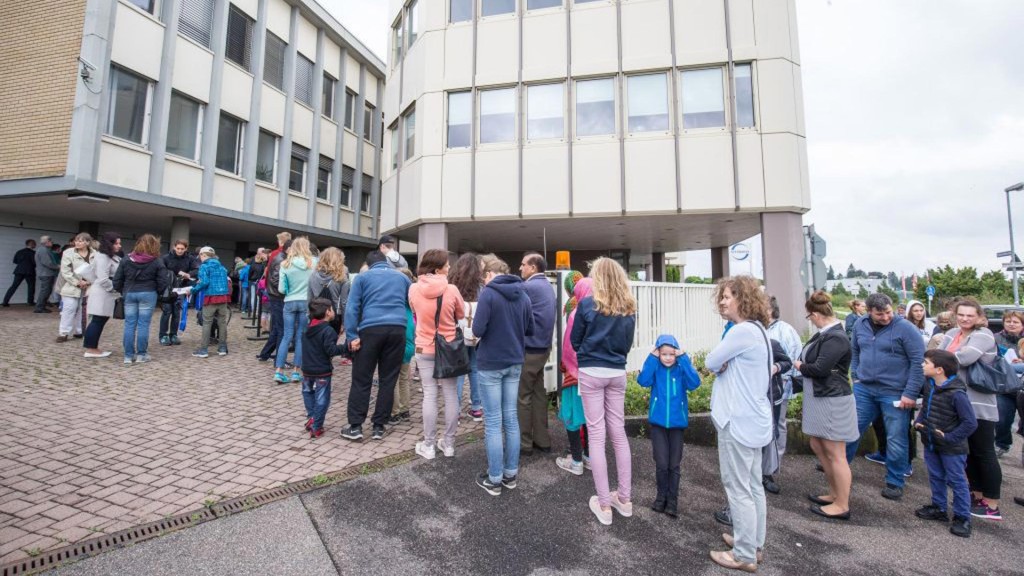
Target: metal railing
(686, 311)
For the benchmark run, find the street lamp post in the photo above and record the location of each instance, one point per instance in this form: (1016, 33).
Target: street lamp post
(1013, 251)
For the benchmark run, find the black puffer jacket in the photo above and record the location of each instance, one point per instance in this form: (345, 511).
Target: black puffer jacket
(826, 361)
(140, 274)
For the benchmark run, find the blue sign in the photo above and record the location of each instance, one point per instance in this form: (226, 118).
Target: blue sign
(930, 291)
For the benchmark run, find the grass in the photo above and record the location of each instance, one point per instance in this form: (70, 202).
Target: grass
(320, 480)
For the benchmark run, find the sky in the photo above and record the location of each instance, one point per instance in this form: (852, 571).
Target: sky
(915, 125)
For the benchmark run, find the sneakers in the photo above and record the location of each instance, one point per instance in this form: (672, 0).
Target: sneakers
(95, 355)
(1000, 452)
(222, 350)
(724, 516)
(378, 432)
(405, 416)
(876, 457)
(509, 482)
(352, 433)
(909, 472)
(175, 341)
(62, 338)
(983, 510)
(279, 377)
(961, 527)
(569, 465)
(446, 449)
(128, 359)
(770, 485)
(201, 353)
(309, 425)
(296, 375)
(586, 462)
(625, 509)
(891, 492)
(603, 516)
(165, 340)
(484, 481)
(314, 434)
(427, 452)
(395, 420)
(143, 358)
(477, 415)
(932, 512)
(1018, 500)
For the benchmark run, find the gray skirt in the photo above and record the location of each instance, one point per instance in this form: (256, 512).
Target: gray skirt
(832, 418)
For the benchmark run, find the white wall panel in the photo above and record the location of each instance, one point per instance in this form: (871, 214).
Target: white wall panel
(497, 52)
(347, 221)
(771, 23)
(236, 92)
(700, 32)
(307, 39)
(646, 43)
(594, 50)
(409, 205)
(228, 192)
(183, 181)
(297, 207)
(349, 149)
(279, 18)
(458, 57)
(430, 187)
(775, 91)
(328, 138)
(272, 105)
(750, 162)
(706, 165)
(193, 67)
(123, 166)
(391, 109)
(596, 178)
(265, 201)
(782, 175)
(387, 205)
(741, 14)
(352, 73)
(332, 58)
(138, 42)
(322, 215)
(430, 124)
(544, 51)
(371, 90)
(455, 182)
(650, 175)
(369, 166)
(805, 178)
(250, 7)
(798, 93)
(546, 180)
(497, 183)
(302, 126)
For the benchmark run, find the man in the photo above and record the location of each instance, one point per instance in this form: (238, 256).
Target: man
(213, 283)
(275, 299)
(47, 266)
(533, 398)
(24, 269)
(375, 324)
(787, 336)
(887, 378)
(386, 245)
(185, 267)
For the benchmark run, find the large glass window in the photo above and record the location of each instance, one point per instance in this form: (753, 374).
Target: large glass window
(323, 178)
(273, 62)
(396, 43)
(648, 103)
(297, 170)
(744, 97)
(595, 107)
(303, 80)
(196, 20)
(496, 7)
(129, 106)
(368, 120)
(396, 143)
(544, 112)
(539, 4)
(460, 119)
(350, 110)
(266, 157)
(410, 133)
(238, 46)
(364, 202)
(703, 99)
(328, 96)
(348, 177)
(460, 11)
(497, 115)
(183, 126)
(229, 144)
(413, 21)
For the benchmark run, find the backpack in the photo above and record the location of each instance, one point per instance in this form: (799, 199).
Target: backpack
(168, 296)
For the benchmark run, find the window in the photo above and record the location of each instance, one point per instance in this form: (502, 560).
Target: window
(595, 107)
(348, 177)
(744, 97)
(229, 144)
(273, 62)
(396, 143)
(410, 133)
(460, 119)
(129, 106)
(413, 21)
(460, 11)
(496, 7)
(350, 110)
(366, 195)
(497, 115)
(238, 47)
(544, 112)
(266, 157)
(146, 5)
(323, 178)
(297, 172)
(196, 20)
(183, 127)
(703, 99)
(588, 1)
(368, 121)
(648, 103)
(396, 43)
(328, 96)
(539, 4)
(303, 80)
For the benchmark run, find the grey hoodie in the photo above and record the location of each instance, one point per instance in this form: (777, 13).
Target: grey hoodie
(338, 290)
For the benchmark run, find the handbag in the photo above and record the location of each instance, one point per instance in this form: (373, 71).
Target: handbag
(119, 309)
(451, 359)
(995, 378)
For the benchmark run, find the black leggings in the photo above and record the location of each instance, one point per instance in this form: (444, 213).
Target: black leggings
(578, 444)
(668, 452)
(983, 472)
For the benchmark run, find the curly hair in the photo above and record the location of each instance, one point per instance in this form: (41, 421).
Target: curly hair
(300, 248)
(612, 296)
(753, 304)
(332, 261)
(466, 276)
(147, 244)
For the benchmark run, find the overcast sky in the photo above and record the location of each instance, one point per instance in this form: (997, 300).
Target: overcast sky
(915, 125)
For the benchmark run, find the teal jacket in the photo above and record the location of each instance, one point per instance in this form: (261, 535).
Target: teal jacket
(294, 280)
(669, 407)
(410, 336)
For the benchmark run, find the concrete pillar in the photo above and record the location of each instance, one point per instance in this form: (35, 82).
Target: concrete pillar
(783, 248)
(432, 235)
(90, 228)
(179, 229)
(657, 267)
(719, 262)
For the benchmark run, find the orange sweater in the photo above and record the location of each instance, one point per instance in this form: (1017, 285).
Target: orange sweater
(423, 301)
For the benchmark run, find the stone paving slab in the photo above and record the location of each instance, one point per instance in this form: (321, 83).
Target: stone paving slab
(92, 446)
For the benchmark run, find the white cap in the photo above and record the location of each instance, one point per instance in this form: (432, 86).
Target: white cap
(208, 250)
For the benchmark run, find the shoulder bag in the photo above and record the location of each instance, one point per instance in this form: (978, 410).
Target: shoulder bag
(995, 378)
(451, 359)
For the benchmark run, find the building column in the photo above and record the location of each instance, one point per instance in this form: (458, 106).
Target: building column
(719, 262)
(91, 95)
(357, 179)
(313, 167)
(211, 116)
(657, 267)
(783, 247)
(161, 108)
(431, 235)
(90, 228)
(180, 226)
(284, 154)
(252, 132)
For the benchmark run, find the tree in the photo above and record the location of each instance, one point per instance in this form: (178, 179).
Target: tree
(840, 290)
(862, 293)
(950, 282)
(831, 274)
(885, 289)
(672, 274)
(698, 280)
(894, 280)
(851, 272)
(995, 288)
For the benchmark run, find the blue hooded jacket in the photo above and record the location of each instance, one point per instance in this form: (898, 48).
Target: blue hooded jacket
(379, 297)
(889, 359)
(669, 407)
(503, 320)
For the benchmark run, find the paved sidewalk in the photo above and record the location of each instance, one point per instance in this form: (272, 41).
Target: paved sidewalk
(92, 446)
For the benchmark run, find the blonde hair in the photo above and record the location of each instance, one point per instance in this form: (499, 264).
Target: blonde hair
(283, 237)
(332, 261)
(854, 304)
(612, 296)
(300, 249)
(494, 264)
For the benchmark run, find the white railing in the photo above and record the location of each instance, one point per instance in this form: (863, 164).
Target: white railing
(686, 311)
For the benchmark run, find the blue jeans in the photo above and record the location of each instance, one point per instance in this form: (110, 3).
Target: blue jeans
(871, 402)
(316, 395)
(1007, 404)
(244, 295)
(474, 382)
(138, 311)
(948, 470)
(499, 390)
(296, 318)
(275, 308)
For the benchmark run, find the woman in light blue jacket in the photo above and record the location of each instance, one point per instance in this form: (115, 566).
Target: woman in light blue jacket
(294, 284)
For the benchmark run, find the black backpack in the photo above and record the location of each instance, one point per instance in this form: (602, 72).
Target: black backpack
(168, 296)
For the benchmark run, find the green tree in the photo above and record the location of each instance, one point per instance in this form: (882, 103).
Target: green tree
(672, 274)
(831, 274)
(950, 282)
(851, 272)
(697, 280)
(995, 288)
(840, 290)
(883, 288)
(862, 293)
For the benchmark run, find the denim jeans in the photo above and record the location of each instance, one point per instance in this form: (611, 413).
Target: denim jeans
(275, 307)
(870, 402)
(1007, 414)
(316, 395)
(474, 382)
(499, 390)
(138, 311)
(296, 318)
(244, 296)
(948, 470)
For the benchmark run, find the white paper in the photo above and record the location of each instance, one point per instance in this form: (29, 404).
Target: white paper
(1011, 355)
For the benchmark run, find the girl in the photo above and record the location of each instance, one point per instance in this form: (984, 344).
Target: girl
(570, 404)
(294, 284)
(101, 296)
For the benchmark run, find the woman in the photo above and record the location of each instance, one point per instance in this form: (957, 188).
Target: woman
(916, 316)
(256, 269)
(140, 277)
(330, 281)
(467, 276)
(101, 296)
(971, 342)
(602, 335)
(570, 403)
(293, 282)
(857, 310)
(944, 322)
(438, 307)
(73, 286)
(1008, 339)
(830, 410)
(742, 415)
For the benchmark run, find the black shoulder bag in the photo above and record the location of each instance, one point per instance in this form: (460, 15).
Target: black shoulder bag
(451, 359)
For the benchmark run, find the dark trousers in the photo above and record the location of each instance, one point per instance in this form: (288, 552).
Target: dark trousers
(1007, 414)
(668, 453)
(948, 470)
(94, 331)
(380, 350)
(578, 444)
(18, 278)
(44, 287)
(983, 471)
(533, 403)
(276, 308)
(170, 318)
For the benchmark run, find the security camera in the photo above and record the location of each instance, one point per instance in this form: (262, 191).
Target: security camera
(87, 68)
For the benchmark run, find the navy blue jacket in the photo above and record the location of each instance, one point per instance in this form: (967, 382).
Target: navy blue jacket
(378, 297)
(25, 261)
(502, 323)
(319, 345)
(542, 300)
(601, 341)
(889, 359)
(669, 407)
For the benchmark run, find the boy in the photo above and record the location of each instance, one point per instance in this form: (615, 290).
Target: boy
(946, 420)
(319, 344)
(213, 283)
(669, 374)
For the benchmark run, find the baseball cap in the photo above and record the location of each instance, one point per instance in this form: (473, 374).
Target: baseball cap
(208, 250)
(386, 239)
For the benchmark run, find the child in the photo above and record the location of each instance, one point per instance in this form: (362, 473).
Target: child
(945, 421)
(570, 404)
(400, 409)
(319, 344)
(670, 375)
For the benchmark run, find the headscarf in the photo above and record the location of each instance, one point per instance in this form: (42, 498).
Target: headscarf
(580, 290)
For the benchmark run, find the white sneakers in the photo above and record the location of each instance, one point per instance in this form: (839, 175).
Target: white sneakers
(605, 517)
(425, 451)
(569, 465)
(448, 451)
(624, 509)
(94, 355)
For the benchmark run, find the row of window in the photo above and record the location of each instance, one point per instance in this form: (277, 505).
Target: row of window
(462, 10)
(128, 119)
